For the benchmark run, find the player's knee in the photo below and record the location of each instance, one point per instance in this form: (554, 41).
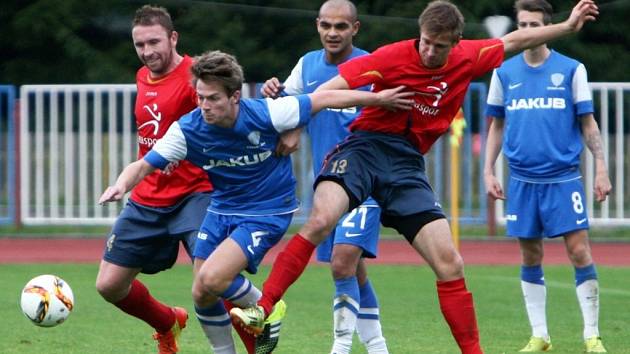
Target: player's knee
(580, 255)
(319, 226)
(450, 265)
(110, 290)
(210, 283)
(341, 268)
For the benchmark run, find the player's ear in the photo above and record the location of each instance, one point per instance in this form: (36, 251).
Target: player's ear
(236, 97)
(355, 28)
(174, 38)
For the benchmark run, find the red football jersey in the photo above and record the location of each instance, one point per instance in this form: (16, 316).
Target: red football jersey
(439, 92)
(159, 103)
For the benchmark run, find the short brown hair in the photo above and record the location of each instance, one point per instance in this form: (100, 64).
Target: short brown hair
(149, 15)
(217, 66)
(535, 6)
(441, 16)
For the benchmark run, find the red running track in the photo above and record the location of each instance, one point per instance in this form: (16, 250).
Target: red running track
(76, 250)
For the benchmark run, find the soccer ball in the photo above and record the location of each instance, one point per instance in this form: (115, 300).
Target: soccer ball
(47, 300)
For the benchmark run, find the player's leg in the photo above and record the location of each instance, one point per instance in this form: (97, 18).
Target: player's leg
(355, 304)
(249, 240)
(524, 222)
(434, 243)
(368, 322)
(346, 303)
(586, 286)
(534, 293)
(140, 242)
(565, 201)
(330, 201)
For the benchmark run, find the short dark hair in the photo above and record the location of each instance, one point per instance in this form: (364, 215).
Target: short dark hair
(441, 16)
(535, 6)
(149, 15)
(217, 66)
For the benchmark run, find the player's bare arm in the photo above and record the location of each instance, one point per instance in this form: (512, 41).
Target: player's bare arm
(493, 148)
(585, 10)
(392, 99)
(129, 178)
(336, 83)
(593, 140)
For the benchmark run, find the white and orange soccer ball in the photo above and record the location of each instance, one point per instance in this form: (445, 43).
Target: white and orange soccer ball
(47, 300)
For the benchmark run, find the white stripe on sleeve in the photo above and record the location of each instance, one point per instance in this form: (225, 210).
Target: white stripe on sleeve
(495, 93)
(293, 85)
(284, 112)
(581, 91)
(172, 146)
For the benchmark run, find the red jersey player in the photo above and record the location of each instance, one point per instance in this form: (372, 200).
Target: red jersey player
(382, 157)
(163, 210)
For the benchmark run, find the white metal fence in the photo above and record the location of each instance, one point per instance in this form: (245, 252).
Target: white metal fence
(612, 101)
(75, 139)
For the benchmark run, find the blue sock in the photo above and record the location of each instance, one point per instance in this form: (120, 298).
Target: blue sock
(368, 300)
(348, 286)
(533, 274)
(214, 315)
(585, 273)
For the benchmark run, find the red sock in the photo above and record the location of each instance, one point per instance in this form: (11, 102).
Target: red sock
(139, 303)
(458, 310)
(248, 340)
(286, 269)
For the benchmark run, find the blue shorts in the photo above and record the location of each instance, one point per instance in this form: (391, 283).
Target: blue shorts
(360, 227)
(535, 210)
(386, 167)
(148, 237)
(254, 234)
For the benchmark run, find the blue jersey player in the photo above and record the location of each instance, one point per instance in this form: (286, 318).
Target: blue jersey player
(355, 306)
(234, 140)
(541, 107)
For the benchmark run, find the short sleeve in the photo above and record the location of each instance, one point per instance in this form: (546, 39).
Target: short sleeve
(171, 147)
(581, 92)
(495, 107)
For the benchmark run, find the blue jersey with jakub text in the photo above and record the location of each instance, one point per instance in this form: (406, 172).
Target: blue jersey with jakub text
(541, 106)
(249, 178)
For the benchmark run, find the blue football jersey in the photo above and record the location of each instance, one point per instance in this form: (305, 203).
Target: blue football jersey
(541, 106)
(248, 178)
(330, 127)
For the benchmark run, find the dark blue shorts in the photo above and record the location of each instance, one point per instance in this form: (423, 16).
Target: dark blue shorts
(148, 237)
(388, 168)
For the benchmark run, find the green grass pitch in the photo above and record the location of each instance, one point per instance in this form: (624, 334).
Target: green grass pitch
(412, 322)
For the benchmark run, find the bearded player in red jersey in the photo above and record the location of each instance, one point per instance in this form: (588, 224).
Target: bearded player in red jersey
(382, 157)
(164, 209)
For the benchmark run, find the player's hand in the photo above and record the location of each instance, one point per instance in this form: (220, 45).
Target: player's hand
(111, 194)
(602, 186)
(395, 99)
(585, 10)
(271, 88)
(493, 187)
(170, 168)
(289, 142)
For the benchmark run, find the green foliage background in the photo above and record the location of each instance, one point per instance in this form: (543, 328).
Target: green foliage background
(89, 41)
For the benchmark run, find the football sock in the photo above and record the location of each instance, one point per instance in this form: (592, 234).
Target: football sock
(217, 326)
(242, 292)
(139, 303)
(368, 321)
(286, 269)
(535, 296)
(345, 309)
(457, 307)
(248, 339)
(587, 289)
